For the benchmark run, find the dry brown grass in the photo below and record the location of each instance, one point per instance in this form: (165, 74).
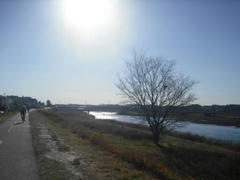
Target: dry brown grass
(99, 163)
(180, 155)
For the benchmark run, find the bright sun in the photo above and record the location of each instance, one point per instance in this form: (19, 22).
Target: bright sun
(88, 15)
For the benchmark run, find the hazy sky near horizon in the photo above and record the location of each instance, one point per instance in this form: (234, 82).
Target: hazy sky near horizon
(71, 51)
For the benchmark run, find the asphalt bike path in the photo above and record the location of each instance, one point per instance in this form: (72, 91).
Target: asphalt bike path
(17, 158)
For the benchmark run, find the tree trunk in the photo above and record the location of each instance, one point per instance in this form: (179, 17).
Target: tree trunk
(155, 137)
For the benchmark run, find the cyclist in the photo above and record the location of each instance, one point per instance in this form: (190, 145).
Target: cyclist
(23, 113)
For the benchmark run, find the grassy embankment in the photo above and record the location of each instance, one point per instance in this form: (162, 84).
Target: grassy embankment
(178, 156)
(48, 168)
(97, 164)
(6, 116)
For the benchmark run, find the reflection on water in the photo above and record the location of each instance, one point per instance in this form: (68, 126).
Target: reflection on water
(115, 116)
(229, 133)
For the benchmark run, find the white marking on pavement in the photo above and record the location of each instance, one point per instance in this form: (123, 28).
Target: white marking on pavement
(1, 142)
(10, 129)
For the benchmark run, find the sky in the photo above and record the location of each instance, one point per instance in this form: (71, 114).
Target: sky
(71, 51)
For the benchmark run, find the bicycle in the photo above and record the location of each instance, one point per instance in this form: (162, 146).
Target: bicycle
(23, 115)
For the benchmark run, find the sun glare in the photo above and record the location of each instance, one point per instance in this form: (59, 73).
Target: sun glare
(88, 15)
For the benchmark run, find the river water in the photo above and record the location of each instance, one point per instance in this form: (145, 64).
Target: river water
(227, 133)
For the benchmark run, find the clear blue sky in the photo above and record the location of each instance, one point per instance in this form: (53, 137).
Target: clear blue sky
(48, 53)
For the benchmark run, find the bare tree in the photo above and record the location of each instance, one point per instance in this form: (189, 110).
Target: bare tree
(154, 85)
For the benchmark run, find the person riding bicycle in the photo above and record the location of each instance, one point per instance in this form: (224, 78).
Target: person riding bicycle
(23, 113)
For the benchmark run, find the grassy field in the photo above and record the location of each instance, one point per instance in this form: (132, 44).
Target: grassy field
(125, 151)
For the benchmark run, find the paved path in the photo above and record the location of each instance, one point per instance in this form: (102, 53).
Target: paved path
(17, 159)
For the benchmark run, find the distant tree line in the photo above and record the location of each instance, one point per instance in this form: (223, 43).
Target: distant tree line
(194, 108)
(13, 103)
(135, 109)
(211, 110)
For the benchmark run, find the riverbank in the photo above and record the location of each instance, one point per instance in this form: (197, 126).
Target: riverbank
(176, 157)
(220, 132)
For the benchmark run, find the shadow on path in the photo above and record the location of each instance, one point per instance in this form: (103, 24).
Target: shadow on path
(18, 123)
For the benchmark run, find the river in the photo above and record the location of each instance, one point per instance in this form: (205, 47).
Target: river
(227, 133)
